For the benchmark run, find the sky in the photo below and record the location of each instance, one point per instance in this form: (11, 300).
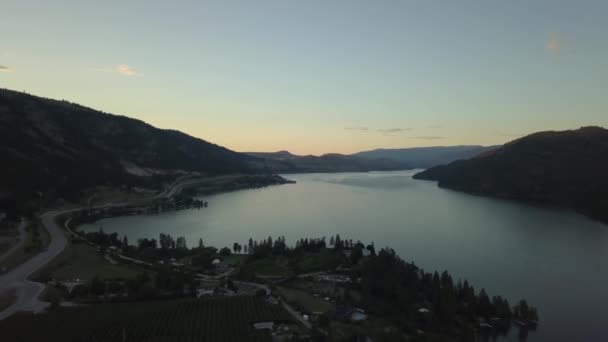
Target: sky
(319, 76)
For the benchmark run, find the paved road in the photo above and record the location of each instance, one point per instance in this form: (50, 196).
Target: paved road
(28, 291)
(20, 240)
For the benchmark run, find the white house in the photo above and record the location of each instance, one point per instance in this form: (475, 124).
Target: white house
(263, 326)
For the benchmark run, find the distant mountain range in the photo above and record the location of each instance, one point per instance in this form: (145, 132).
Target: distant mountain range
(374, 160)
(58, 147)
(285, 162)
(425, 157)
(568, 168)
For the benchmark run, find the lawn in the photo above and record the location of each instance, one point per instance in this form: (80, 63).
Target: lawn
(234, 259)
(377, 329)
(37, 238)
(305, 301)
(82, 261)
(322, 261)
(268, 267)
(7, 298)
(104, 194)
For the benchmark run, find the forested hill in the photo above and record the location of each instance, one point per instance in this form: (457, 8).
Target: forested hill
(50, 146)
(567, 168)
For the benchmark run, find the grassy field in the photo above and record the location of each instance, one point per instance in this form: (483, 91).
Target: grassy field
(279, 266)
(234, 259)
(7, 298)
(268, 267)
(82, 261)
(323, 261)
(305, 301)
(377, 329)
(213, 320)
(104, 194)
(37, 238)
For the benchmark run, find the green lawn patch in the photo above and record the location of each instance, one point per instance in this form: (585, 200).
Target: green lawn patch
(268, 267)
(305, 301)
(82, 261)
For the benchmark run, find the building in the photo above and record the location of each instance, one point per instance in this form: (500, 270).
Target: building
(263, 326)
(349, 313)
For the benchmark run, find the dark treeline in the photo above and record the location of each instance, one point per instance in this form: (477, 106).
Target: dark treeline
(406, 294)
(388, 287)
(414, 298)
(270, 247)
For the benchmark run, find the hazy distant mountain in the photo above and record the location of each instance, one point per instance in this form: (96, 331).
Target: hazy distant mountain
(56, 146)
(285, 162)
(568, 168)
(425, 157)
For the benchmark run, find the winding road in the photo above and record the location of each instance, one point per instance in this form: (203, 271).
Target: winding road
(28, 291)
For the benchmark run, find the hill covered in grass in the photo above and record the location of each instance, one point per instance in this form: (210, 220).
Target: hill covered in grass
(567, 168)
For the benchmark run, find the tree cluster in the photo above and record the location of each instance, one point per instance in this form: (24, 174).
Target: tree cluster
(399, 290)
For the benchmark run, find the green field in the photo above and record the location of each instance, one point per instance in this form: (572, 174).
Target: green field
(323, 261)
(82, 261)
(234, 259)
(282, 266)
(37, 239)
(305, 301)
(7, 297)
(219, 319)
(268, 267)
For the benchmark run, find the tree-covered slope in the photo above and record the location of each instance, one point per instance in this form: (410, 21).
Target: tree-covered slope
(568, 168)
(60, 147)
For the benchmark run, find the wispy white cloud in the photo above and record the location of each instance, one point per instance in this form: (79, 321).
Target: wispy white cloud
(554, 44)
(428, 137)
(357, 129)
(126, 70)
(122, 69)
(5, 69)
(557, 45)
(393, 130)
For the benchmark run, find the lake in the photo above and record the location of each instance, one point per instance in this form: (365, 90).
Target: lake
(554, 258)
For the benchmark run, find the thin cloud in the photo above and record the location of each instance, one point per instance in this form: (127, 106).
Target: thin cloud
(122, 69)
(434, 126)
(553, 44)
(556, 45)
(357, 129)
(126, 70)
(393, 130)
(428, 137)
(5, 69)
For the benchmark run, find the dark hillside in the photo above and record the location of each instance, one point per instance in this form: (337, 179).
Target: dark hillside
(568, 168)
(58, 147)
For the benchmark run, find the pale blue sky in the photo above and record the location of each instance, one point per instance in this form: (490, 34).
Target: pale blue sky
(270, 75)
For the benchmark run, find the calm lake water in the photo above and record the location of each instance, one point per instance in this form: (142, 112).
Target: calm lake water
(554, 258)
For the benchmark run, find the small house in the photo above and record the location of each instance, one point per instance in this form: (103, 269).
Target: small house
(349, 313)
(263, 326)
